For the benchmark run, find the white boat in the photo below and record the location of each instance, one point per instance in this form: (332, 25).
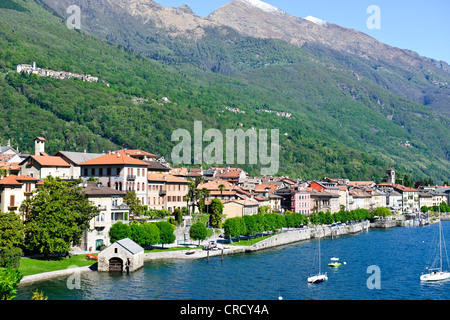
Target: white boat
(437, 274)
(319, 277)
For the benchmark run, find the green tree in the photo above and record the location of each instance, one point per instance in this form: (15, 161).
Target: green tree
(166, 235)
(9, 281)
(58, 215)
(231, 228)
(178, 216)
(119, 231)
(151, 234)
(381, 212)
(11, 230)
(132, 201)
(137, 234)
(215, 217)
(198, 231)
(251, 226)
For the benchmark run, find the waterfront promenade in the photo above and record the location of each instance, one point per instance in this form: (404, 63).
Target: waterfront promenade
(287, 236)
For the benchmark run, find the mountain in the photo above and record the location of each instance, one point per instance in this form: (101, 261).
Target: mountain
(372, 58)
(344, 123)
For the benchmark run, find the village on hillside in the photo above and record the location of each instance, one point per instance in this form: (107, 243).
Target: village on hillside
(107, 177)
(33, 69)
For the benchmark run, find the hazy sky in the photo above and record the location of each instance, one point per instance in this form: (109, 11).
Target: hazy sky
(418, 25)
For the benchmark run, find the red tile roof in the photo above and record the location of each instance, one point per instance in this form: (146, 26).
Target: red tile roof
(165, 177)
(50, 161)
(114, 158)
(13, 180)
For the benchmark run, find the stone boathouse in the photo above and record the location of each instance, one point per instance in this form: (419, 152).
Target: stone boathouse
(122, 256)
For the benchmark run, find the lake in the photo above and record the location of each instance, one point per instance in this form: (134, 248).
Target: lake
(401, 254)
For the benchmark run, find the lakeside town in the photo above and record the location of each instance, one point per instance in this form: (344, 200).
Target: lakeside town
(108, 177)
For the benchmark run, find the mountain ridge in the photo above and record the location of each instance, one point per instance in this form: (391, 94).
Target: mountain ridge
(342, 123)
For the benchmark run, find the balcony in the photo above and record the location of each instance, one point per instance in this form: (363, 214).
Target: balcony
(131, 178)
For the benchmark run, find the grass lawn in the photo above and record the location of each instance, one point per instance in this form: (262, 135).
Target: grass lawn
(29, 266)
(250, 242)
(171, 249)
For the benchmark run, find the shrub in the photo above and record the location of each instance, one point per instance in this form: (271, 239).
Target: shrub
(10, 257)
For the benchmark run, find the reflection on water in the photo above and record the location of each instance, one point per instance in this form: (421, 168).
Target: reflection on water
(400, 253)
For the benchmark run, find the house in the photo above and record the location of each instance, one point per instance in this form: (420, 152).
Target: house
(410, 196)
(112, 209)
(14, 190)
(394, 200)
(122, 256)
(240, 208)
(138, 154)
(118, 171)
(323, 200)
(361, 199)
(74, 159)
(228, 193)
(166, 191)
(235, 175)
(43, 166)
(425, 199)
(325, 186)
(301, 201)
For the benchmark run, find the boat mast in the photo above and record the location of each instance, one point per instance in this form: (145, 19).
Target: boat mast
(440, 238)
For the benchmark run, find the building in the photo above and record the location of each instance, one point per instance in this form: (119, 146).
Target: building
(166, 191)
(325, 186)
(240, 208)
(118, 171)
(122, 256)
(410, 196)
(323, 201)
(112, 209)
(301, 201)
(14, 190)
(425, 199)
(74, 159)
(43, 166)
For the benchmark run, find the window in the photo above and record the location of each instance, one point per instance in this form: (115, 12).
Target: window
(12, 200)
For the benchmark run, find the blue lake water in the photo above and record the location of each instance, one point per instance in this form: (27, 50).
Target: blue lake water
(400, 253)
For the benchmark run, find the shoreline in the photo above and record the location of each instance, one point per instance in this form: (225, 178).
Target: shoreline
(284, 238)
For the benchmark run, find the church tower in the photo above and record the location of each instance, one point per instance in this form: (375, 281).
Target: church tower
(390, 176)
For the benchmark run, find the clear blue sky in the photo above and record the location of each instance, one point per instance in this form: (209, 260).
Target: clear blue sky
(418, 25)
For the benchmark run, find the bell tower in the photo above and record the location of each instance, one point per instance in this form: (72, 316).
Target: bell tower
(39, 146)
(390, 176)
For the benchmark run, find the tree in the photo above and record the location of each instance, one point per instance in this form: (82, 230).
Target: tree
(11, 230)
(119, 231)
(250, 224)
(198, 232)
(215, 217)
(193, 192)
(231, 228)
(166, 235)
(178, 216)
(151, 234)
(137, 234)
(58, 215)
(381, 212)
(132, 201)
(9, 281)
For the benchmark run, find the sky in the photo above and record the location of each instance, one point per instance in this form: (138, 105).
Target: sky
(418, 25)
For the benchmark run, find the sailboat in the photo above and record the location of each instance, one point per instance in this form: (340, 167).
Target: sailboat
(437, 274)
(319, 277)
